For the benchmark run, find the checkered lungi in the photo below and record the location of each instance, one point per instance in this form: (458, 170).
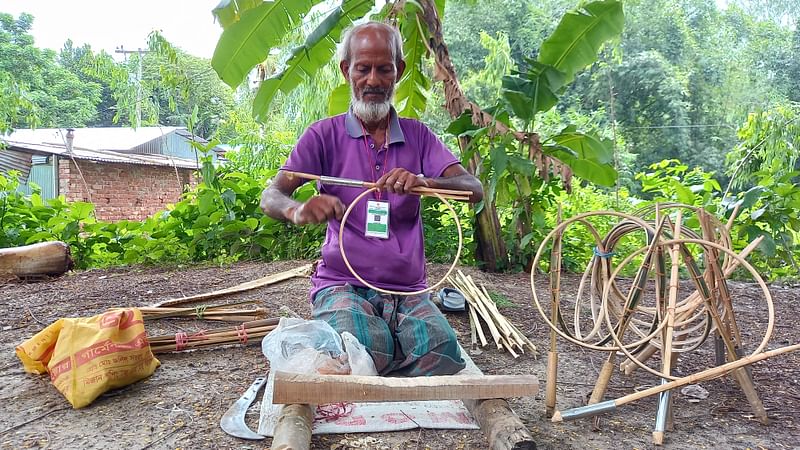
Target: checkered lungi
(405, 335)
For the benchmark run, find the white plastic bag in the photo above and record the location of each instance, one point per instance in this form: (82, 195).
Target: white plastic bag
(360, 361)
(305, 346)
(313, 346)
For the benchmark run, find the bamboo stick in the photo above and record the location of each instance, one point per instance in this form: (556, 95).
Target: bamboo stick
(449, 194)
(708, 374)
(301, 271)
(479, 307)
(666, 344)
(218, 312)
(474, 317)
(555, 287)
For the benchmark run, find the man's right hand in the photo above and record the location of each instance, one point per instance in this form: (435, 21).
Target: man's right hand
(317, 209)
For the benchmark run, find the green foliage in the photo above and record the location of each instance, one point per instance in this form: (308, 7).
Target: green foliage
(580, 34)
(590, 157)
(35, 89)
(218, 221)
(483, 86)
(15, 107)
(412, 90)
(501, 300)
(440, 231)
(247, 41)
(769, 210)
(770, 141)
(671, 181)
(306, 59)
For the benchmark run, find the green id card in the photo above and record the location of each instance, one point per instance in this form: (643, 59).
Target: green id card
(377, 219)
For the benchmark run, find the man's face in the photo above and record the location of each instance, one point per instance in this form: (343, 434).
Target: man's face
(371, 72)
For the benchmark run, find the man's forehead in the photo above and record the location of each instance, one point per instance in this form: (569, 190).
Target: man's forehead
(371, 42)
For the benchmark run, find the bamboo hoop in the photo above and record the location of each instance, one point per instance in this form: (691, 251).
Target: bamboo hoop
(742, 262)
(537, 259)
(629, 367)
(388, 291)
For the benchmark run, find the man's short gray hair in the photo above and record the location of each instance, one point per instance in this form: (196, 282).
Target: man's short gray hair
(395, 40)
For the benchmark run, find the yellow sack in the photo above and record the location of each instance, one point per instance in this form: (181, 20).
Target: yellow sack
(88, 356)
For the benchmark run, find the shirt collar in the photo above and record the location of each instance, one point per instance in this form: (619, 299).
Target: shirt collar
(354, 129)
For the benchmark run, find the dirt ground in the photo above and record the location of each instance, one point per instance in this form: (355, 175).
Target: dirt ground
(181, 404)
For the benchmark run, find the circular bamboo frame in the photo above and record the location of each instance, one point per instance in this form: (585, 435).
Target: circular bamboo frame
(387, 291)
(560, 228)
(739, 259)
(697, 317)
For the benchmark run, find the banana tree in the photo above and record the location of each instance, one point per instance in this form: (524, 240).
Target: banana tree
(252, 28)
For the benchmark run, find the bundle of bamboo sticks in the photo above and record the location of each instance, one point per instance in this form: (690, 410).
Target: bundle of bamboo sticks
(206, 312)
(247, 332)
(504, 333)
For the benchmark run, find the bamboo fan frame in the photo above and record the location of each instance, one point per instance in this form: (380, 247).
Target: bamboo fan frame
(672, 325)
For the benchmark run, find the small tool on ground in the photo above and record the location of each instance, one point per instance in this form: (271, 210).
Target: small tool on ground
(232, 421)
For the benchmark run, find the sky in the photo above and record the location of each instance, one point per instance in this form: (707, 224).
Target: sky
(106, 25)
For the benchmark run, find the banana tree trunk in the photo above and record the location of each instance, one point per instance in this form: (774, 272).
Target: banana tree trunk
(491, 251)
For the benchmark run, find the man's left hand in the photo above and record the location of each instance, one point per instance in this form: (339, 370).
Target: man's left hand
(400, 181)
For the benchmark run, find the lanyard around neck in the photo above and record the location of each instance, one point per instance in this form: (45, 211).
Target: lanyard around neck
(375, 178)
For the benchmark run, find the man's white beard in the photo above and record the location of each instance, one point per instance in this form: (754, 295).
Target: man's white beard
(370, 112)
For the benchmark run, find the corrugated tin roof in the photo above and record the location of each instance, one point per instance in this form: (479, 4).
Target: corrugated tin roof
(11, 160)
(103, 156)
(101, 138)
(109, 144)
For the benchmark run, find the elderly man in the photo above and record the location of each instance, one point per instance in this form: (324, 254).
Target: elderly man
(405, 335)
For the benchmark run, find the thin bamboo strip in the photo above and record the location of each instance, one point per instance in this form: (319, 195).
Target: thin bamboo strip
(206, 314)
(500, 321)
(473, 333)
(246, 326)
(474, 317)
(464, 287)
(211, 340)
(302, 271)
(484, 307)
(628, 366)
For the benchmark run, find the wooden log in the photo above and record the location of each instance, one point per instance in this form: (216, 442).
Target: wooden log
(293, 428)
(501, 426)
(320, 389)
(44, 258)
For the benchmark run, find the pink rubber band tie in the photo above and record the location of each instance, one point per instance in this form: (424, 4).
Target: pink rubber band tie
(334, 411)
(242, 333)
(199, 336)
(181, 339)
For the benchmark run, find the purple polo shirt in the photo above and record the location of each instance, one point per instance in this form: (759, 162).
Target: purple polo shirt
(336, 147)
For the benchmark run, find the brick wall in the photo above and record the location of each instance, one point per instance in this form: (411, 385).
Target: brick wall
(122, 191)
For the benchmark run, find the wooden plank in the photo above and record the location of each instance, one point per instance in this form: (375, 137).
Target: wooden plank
(320, 389)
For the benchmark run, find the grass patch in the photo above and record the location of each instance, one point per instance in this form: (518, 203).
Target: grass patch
(501, 300)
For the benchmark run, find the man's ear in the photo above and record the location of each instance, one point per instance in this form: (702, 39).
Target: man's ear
(401, 67)
(344, 66)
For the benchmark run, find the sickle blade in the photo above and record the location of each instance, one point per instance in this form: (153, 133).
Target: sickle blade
(232, 421)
